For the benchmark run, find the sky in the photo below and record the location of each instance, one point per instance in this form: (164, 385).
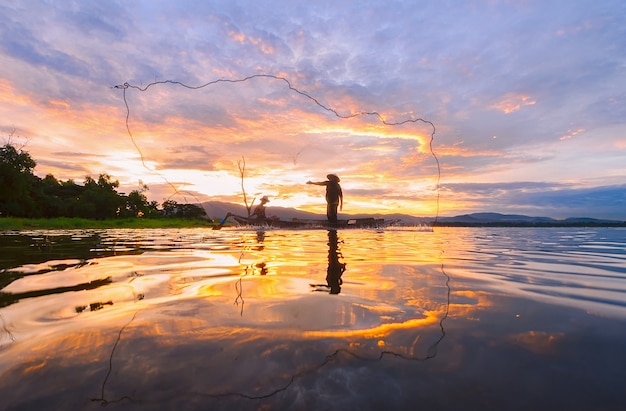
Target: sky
(421, 107)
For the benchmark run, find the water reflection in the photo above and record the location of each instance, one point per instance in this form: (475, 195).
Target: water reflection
(260, 237)
(403, 330)
(12, 298)
(335, 269)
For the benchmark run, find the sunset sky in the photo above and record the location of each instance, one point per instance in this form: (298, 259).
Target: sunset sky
(527, 99)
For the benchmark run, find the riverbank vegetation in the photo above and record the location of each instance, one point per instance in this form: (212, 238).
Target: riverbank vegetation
(65, 223)
(27, 196)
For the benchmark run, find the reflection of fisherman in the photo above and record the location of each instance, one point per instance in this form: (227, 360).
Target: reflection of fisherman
(334, 196)
(260, 238)
(262, 268)
(259, 211)
(335, 268)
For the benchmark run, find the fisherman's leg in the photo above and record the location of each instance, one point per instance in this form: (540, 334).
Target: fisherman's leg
(331, 212)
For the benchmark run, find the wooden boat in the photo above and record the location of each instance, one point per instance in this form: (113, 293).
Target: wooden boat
(306, 223)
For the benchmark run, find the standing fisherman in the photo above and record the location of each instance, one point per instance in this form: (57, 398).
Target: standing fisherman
(334, 196)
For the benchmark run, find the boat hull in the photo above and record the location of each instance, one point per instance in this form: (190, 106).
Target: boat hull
(301, 223)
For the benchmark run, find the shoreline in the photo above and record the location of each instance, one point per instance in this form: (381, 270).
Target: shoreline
(17, 223)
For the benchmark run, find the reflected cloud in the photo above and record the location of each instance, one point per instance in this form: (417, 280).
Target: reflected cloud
(539, 342)
(512, 103)
(171, 328)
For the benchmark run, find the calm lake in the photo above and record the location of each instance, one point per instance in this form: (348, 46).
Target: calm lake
(235, 319)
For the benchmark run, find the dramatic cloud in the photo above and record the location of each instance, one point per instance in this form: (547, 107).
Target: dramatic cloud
(527, 100)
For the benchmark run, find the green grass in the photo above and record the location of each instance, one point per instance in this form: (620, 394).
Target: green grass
(13, 223)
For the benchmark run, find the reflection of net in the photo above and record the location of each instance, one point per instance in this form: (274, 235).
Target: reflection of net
(334, 357)
(6, 330)
(259, 268)
(126, 86)
(102, 399)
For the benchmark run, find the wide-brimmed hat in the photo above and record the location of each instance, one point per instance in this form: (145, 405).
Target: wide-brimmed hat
(333, 177)
(264, 199)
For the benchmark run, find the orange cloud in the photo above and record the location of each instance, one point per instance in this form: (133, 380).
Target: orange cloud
(571, 134)
(512, 103)
(286, 141)
(59, 104)
(258, 42)
(9, 96)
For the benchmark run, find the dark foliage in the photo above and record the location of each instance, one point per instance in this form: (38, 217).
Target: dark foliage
(23, 194)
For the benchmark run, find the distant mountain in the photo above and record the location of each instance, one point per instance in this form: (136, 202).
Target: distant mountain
(591, 220)
(219, 209)
(496, 219)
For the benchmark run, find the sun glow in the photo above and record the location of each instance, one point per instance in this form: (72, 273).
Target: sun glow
(284, 142)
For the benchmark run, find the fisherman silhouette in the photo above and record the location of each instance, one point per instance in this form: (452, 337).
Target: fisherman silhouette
(259, 211)
(334, 196)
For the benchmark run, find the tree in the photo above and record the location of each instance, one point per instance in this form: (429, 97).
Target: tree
(153, 209)
(170, 208)
(242, 173)
(56, 198)
(190, 211)
(16, 182)
(70, 193)
(46, 193)
(22, 194)
(137, 204)
(100, 200)
(18, 159)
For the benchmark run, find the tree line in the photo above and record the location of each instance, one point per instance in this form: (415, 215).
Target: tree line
(23, 194)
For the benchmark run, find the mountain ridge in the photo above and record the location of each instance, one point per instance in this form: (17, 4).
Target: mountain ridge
(219, 209)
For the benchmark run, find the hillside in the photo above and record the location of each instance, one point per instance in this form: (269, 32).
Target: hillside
(496, 219)
(218, 209)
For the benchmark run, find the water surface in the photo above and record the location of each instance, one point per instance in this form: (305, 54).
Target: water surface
(313, 319)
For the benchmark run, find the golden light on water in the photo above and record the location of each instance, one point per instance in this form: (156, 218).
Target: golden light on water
(234, 289)
(378, 331)
(208, 312)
